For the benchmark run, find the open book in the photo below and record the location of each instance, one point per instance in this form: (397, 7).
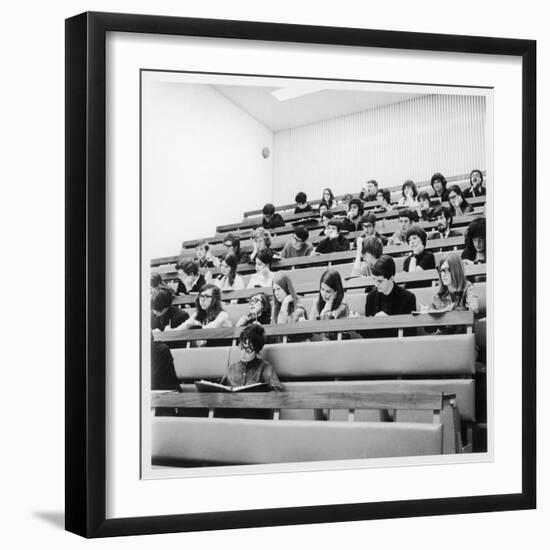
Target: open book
(206, 386)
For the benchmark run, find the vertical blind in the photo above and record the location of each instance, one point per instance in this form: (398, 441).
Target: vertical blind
(407, 140)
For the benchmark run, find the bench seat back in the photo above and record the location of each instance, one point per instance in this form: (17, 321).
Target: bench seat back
(241, 441)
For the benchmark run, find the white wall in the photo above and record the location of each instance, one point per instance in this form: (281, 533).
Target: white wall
(202, 164)
(407, 140)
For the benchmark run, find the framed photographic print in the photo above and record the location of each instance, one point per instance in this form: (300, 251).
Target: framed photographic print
(294, 293)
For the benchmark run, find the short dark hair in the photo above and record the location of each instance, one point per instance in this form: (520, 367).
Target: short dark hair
(302, 233)
(408, 213)
(423, 195)
(254, 335)
(417, 231)
(161, 298)
(438, 210)
(156, 279)
(335, 222)
(374, 182)
(384, 267)
(358, 203)
(369, 217)
(300, 197)
(372, 245)
(265, 256)
(439, 176)
(328, 214)
(268, 209)
(189, 267)
(386, 195)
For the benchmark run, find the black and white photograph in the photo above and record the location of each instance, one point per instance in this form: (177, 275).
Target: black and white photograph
(316, 273)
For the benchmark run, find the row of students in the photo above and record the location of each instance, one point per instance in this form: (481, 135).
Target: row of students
(369, 247)
(386, 298)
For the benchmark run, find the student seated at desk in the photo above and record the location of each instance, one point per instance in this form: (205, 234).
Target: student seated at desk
(424, 209)
(406, 219)
(444, 219)
(334, 240)
(287, 306)
(420, 258)
(368, 224)
(163, 314)
(232, 245)
(204, 258)
(251, 368)
(327, 199)
(369, 249)
(263, 276)
(163, 372)
(259, 311)
(261, 240)
(298, 245)
(459, 205)
(346, 200)
(189, 278)
(209, 312)
(353, 219)
(475, 243)
(329, 303)
(439, 186)
(387, 298)
(271, 218)
(455, 292)
(383, 197)
(229, 279)
(408, 195)
(369, 191)
(325, 217)
(301, 203)
(156, 280)
(476, 188)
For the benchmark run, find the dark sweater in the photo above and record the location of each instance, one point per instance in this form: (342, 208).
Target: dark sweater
(181, 289)
(275, 221)
(326, 246)
(426, 260)
(398, 302)
(173, 317)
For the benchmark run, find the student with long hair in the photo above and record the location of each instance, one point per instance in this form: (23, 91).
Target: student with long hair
(229, 279)
(476, 188)
(259, 311)
(475, 251)
(287, 306)
(263, 276)
(329, 303)
(459, 205)
(209, 312)
(409, 194)
(455, 292)
(328, 199)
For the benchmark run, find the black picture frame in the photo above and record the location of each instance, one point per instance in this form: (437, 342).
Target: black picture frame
(86, 262)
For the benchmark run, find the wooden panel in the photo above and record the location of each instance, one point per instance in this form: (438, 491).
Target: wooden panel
(240, 441)
(302, 400)
(454, 318)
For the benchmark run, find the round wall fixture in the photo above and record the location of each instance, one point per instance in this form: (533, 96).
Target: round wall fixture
(266, 152)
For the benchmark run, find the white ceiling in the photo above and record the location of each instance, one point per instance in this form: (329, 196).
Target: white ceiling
(311, 105)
